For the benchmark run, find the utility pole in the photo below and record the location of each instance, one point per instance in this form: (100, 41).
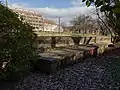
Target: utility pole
(6, 3)
(43, 24)
(84, 26)
(59, 24)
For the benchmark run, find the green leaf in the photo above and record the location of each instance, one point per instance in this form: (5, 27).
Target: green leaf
(117, 5)
(116, 10)
(98, 3)
(105, 8)
(83, 0)
(107, 1)
(91, 1)
(88, 3)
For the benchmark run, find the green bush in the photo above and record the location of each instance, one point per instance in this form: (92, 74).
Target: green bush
(17, 44)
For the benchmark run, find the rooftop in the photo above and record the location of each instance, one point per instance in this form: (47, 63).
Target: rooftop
(27, 12)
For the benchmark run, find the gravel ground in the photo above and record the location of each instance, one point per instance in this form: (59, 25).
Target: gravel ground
(90, 74)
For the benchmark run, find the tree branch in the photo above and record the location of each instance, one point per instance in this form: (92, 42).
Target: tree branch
(103, 21)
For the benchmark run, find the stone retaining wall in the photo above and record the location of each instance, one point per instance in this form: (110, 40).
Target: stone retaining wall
(53, 59)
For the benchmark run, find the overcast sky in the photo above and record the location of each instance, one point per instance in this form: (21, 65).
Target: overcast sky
(66, 9)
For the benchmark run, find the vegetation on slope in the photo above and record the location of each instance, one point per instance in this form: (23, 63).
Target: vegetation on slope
(17, 45)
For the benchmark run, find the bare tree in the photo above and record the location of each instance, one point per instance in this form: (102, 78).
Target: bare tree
(111, 10)
(84, 24)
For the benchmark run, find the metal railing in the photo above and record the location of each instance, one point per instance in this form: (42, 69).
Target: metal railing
(68, 34)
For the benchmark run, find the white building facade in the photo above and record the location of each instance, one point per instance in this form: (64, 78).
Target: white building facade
(51, 26)
(32, 18)
(37, 21)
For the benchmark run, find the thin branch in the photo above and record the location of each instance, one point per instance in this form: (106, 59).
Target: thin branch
(103, 21)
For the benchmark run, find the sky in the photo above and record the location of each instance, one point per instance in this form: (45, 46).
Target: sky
(52, 9)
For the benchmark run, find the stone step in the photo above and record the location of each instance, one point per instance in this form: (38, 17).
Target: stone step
(55, 59)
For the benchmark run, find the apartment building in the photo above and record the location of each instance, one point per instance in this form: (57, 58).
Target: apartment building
(32, 18)
(37, 21)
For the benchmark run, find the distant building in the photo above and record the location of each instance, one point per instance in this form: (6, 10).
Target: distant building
(31, 18)
(37, 21)
(50, 25)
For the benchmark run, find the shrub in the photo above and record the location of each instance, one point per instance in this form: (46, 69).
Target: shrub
(17, 44)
